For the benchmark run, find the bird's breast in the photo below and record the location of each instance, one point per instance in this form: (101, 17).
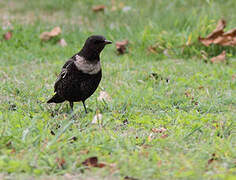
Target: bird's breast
(87, 66)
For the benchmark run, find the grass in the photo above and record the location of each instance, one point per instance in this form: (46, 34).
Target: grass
(193, 100)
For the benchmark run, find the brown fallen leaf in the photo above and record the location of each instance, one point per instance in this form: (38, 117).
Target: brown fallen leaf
(219, 29)
(93, 162)
(7, 35)
(220, 58)
(98, 8)
(121, 46)
(45, 36)
(62, 42)
(217, 32)
(218, 36)
(228, 38)
(55, 31)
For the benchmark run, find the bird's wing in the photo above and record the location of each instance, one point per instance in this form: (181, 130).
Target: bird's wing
(64, 72)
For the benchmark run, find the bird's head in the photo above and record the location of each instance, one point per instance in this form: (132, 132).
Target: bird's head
(94, 45)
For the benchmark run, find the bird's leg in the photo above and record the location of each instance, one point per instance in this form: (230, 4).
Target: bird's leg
(71, 105)
(85, 107)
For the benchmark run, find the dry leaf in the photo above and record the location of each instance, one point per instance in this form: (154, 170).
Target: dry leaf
(218, 36)
(55, 31)
(93, 162)
(216, 33)
(7, 35)
(221, 57)
(99, 8)
(104, 96)
(219, 29)
(96, 118)
(45, 36)
(228, 38)
(121, 46)
(62, 42)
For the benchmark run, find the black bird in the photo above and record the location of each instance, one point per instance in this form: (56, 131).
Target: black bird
(81, 74)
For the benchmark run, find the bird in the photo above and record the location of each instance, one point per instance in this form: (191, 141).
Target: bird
(81, 74)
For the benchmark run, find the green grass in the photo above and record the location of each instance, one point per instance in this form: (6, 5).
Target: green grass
(197, 104)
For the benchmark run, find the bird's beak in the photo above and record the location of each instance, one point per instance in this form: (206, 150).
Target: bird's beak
(108, 42)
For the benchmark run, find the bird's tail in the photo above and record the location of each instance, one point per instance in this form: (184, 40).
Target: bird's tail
(56, 99)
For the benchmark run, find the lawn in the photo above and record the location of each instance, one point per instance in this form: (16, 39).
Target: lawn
(172, 111)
